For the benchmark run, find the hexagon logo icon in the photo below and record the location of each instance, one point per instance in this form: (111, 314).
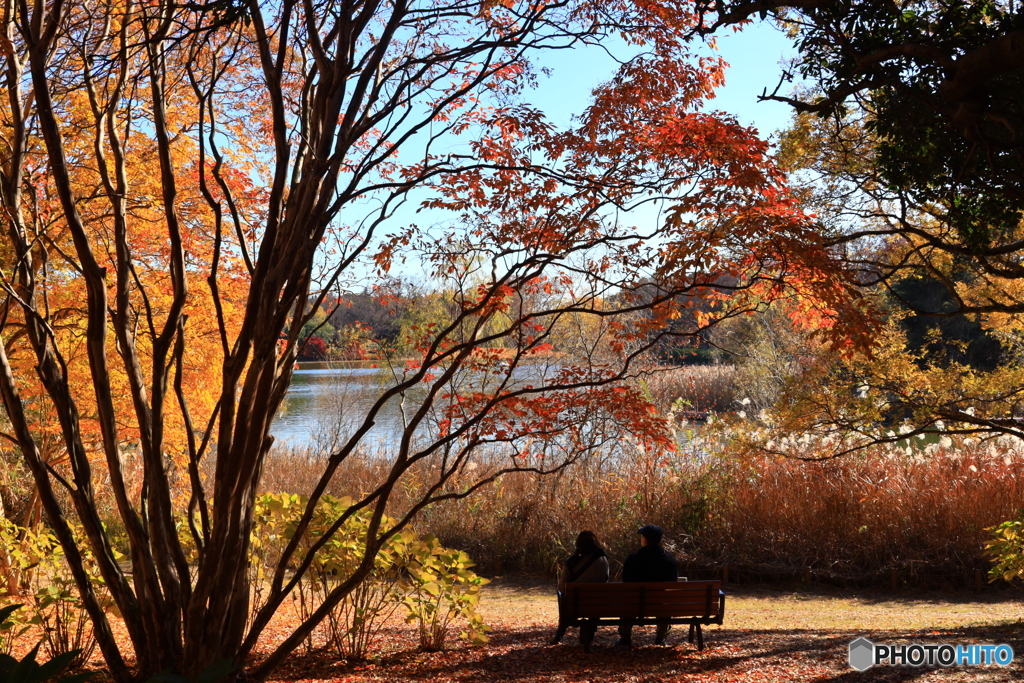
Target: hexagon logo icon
(862, 654)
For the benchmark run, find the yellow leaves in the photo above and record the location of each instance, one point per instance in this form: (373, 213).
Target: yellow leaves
(1006, 547)
(435, 584)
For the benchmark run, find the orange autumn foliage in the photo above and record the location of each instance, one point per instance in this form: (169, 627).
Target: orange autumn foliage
(186, 184)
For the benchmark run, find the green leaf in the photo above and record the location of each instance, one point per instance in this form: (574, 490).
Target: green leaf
(168, 676)
(217, 671)
(25, 671)
(6, 612)
(53, 667)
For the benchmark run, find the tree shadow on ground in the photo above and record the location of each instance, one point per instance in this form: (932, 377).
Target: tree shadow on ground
(532, 586)
(733, 655)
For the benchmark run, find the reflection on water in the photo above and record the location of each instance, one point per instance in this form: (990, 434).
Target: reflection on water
(329, 400)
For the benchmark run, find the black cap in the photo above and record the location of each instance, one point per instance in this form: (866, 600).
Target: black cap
(652, 533)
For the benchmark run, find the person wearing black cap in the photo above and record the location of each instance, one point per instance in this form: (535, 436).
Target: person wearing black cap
(650, 563)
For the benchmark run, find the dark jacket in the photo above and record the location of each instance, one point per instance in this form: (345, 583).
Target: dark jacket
(650, 563)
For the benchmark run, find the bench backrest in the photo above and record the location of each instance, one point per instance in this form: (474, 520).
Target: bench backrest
(661, 599)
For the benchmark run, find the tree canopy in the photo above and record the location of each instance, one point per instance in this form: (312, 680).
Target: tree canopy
(905, 146)
(185, 184)
(937, 88)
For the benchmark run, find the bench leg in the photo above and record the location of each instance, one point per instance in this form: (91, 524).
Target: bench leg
(689, 638)
(700, 638)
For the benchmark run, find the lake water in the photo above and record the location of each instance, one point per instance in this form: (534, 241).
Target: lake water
(326, 401)
(327, 397)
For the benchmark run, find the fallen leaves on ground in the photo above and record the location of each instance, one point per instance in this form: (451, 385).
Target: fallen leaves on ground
(755, 645)
(522, 654)
(768, 635)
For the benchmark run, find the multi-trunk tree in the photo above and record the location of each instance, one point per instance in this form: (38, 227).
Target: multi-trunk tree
(182, 184)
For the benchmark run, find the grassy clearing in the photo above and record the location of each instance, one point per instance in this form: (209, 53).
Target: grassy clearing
(759, 608)
(768, 636)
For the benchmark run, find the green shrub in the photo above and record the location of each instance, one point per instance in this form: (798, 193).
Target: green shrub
(36, 570)
(14, 623)
(27, 670)
(1006, 549)
(443, 589)
(434, 584)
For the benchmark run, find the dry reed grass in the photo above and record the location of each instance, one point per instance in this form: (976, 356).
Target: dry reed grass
(700, 388)
(868, 513)
(851, 516)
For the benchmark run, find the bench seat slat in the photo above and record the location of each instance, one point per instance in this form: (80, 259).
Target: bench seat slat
(657, 612)
(651, 595)
(652, 610)
(617, 613)
(648, 621)
(616, 587)
(689, 604)
(626, 614)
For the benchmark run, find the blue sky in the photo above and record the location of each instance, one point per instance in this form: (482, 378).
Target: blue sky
(754, 57)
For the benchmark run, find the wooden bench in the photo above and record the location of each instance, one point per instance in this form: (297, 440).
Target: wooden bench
(695, 603)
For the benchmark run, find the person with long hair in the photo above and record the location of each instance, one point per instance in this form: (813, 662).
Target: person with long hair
(589, 564)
